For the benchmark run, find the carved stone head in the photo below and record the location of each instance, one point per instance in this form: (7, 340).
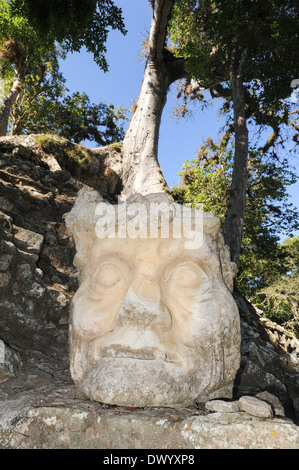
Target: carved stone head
(154, 322)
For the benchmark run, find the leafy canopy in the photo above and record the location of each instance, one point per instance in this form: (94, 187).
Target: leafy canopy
(279, 301)
(33, 37)
(206, 31)
(20, 44)
(73, 23)
(44, 106)
(268, 212)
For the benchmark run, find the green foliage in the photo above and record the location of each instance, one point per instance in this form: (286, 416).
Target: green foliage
(73, 23)
(268, 212)
(32, 53)
(280, 300)
(194, 35)
(205, 33)
(291, 246)
(20, 45)
(44, 107)
(22, 52)
(77, 119)
(206, 180)
(43, 86)
(268, 270)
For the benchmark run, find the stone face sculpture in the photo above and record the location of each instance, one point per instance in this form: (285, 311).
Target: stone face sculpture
(154, 322)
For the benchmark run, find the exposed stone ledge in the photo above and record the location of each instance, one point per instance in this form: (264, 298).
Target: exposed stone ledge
(79, 428)
(50, 417)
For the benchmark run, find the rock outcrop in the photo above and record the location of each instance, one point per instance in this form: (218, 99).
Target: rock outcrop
(267, 364)
(37, 279)
(37, 284)
(73, 423)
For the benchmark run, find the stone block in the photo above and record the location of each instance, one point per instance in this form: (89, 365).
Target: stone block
(272, 400)
(255, 407)
(28, 240)
(23, 151)
(222, 406)
(5, 261)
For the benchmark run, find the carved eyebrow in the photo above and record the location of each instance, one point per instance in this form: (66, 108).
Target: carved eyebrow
(181, 262)
(110, 258)
(111, 255)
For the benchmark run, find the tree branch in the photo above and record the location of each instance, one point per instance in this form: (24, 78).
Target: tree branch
(158, 31)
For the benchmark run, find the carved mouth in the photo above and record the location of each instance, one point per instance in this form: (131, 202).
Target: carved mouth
(144, 354)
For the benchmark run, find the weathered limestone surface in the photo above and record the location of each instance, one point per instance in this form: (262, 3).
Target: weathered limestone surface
(273, 401)
(37, 279)
(223, 406)
(255, 407)
(65, 420)
(154, 322)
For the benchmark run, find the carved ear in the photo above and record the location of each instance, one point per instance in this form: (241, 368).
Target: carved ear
(211, 228)
(228, 267)
(81, 223)
(211, 225)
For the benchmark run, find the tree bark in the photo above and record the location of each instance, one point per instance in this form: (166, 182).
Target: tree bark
(141, 172)
(234, 221)
(7, 104)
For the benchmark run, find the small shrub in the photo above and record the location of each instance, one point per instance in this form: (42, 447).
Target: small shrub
(117, 146)
(63, 148)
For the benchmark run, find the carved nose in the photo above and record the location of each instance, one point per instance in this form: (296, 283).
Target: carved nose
(138, 314)
(141, 306)
(146, 288)
(141, 321)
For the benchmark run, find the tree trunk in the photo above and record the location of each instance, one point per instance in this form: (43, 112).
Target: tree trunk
(7, 103)
(141, 171)
(234, 222)
(17, 124)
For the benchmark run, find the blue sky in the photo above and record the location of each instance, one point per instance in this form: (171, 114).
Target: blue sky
(121, 84)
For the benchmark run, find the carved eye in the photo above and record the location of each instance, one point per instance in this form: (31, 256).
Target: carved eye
(108, 275)
(187, 275)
